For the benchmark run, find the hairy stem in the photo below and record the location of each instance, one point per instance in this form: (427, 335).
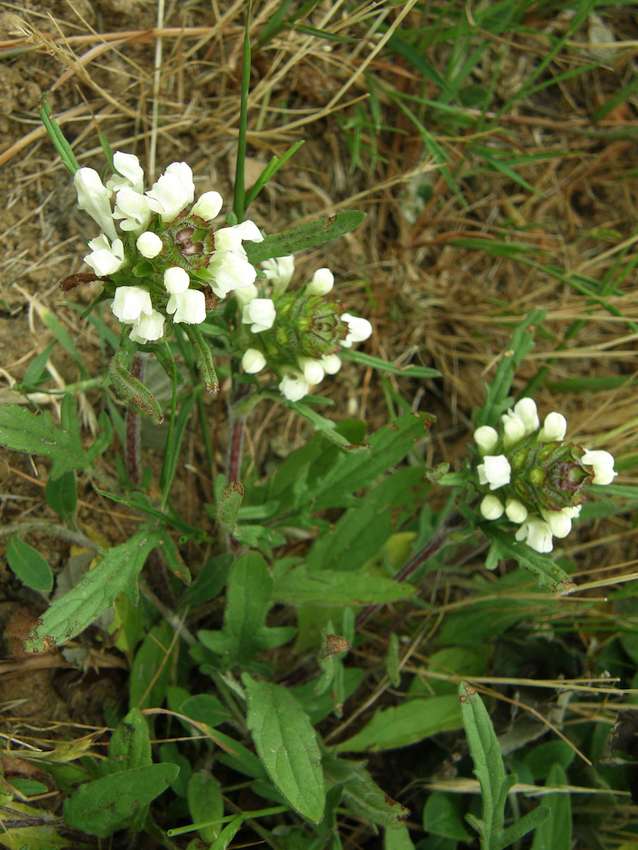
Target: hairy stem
(133, 427)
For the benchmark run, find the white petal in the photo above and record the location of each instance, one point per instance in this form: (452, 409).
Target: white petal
(554, 428)
(486, 438)
(130, 302)
(491, 508)
(321, 284)
(331, 363)
(148, 328)
(313, 371)
(128, 165)
(149, 244)
(294, 388)
(515, 511)
(208, 206)
(253, 361)
(176, 280)
(526, 410)
(95, 199)
(190, 307)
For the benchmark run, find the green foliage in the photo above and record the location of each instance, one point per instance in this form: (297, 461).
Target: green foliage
(24, 431)
(116, 572)
(287, 745)
(29, 566)
(313, 234)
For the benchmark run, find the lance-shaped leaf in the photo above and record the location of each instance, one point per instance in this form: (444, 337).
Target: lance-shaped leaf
(504, 546)
(306, 236)
(204, 357)
(115, 573)
(287, 745)
(331, 588)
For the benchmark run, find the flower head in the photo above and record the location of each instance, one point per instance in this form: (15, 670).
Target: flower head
(173, 191)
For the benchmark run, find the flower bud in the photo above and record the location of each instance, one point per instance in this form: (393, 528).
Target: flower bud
(513, 429)
(208, 206)
(95, 199)
(495, 471)
(554, 428)
(130, 302)
(603, 464)
(148, 328)
(515, 511)
(313, 371)
(491, 508)
(188, 306)
(128, 165)
(526, 410)
(331, 363)
(321, 284)
(253, 361)
(358, 329)
(149, 244)
(176, 280)
(486, 438)
(293, 387)
(259, 314)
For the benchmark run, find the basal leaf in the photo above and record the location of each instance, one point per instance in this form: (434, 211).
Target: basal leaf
(408, 723)
(287, 746)
(205, 803)
(105, 805)
(361, 794)
(130, 744)
(555, 833)
(36, 433)
(115, 573)
(306, 236)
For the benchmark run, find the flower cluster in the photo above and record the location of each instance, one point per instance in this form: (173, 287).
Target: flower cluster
(165, 260)
(159, 257)
(540, 478)
(298, 333)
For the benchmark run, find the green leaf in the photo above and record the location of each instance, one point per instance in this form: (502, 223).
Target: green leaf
(384, 366)
(330, 588)
(498, 389)
(105, 805)
(275, 164)
(227, 834)
(151, 667)
(397, 838)
(287, 746)
(131, 390)
(130, 744)
(205, 803)
(24, 431)
(442, 816)
(361, 794)
(228, 505)
(115, 573)
(408, 723)
(320, 423)
(204, 358)
(306, 236)
(64, 149)
(360, 467)
(61, 495)
(245, 633)
(392, 661)
(29, 566)
(555, 833)
(549, 574)
(520, 828)
(488, 766)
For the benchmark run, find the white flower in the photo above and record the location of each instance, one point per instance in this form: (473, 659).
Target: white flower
(231, 238)
(572, 513)
(293, 387)
(559, 522)
(486, 438)
(515, 511)
(208, 206)
(95, 199)
(253, 361)
(495, 471)
(176, 280)
(228, 271)
(130, 302)
(279, 271)
(313, 371)
(513, 428)
(259, 314)
(173, 191)
(148, 328)
(149, 244)
(244, 294)
(537, 534)
(358, 329)
(331, 363)
(321, 284)
(554, 428)
(188, 306)
(105, 258)
(525, 409)
(132, 209)
(129, 173)
(491, 507)
(603, 463)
